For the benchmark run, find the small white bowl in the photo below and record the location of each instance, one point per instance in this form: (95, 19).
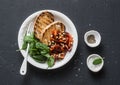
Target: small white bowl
(96, 35)
(91, 66)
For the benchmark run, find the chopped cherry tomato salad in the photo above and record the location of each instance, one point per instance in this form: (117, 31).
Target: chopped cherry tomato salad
(60, 43)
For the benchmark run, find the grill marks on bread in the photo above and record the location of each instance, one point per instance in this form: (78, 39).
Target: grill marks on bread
(44, 25)
(42, 21)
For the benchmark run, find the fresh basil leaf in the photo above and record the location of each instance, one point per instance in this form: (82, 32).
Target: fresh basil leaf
(43, 52)
(32, 49)
(24, 46)
(97, 61)
(28, 39)
(50, 61)
(47, 55)
(39, 58)
(42, 46)
(32, 46)
(37, 50)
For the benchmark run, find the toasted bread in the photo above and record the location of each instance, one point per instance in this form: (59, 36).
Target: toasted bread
(43, 20)
(57, 25)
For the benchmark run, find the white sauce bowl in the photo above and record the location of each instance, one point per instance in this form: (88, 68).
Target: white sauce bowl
(91, 66)
(97, 38)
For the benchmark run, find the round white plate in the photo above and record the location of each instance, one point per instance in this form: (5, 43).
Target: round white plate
(69, 28)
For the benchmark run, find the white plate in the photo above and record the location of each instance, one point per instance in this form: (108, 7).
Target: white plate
(69, 28)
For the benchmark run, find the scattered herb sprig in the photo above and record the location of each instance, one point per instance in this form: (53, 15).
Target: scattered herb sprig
(37, 50)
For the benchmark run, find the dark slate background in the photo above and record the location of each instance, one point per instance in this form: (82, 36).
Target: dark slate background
(100, 15)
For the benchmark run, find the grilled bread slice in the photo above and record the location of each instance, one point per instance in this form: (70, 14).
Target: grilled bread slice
(57, 25)
(43, 20)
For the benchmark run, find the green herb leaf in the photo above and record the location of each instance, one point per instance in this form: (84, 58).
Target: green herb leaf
(40, 58)
(47, 55)
(50, 61)
(24, 46)
(97, 61)
(42, 46)
(43, 52)
(28, 39)
(37, 50)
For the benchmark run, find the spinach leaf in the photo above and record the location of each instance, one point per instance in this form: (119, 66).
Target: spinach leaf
(24, 46)
(47, 55)
(37, 50)
(42, 46)
(39, 58)
(43, 52)
(32, 50)
(97, 61)
(50, 61)
(28, 39)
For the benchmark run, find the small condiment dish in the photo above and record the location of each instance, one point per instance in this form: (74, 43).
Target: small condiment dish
(92, 38)
(91, 66)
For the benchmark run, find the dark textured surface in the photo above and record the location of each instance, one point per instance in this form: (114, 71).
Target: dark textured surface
(100, 15)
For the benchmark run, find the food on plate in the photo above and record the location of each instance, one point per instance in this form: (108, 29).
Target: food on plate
(37, 50)
(49, 41)
(57, 25)
(41, 22)
(57, 39)
(60, 43)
